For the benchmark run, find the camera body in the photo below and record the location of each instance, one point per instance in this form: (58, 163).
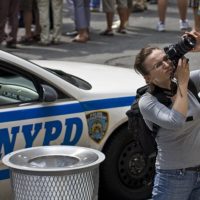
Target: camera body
(176, 51)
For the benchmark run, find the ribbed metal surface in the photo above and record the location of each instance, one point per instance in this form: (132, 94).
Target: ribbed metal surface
(70, 187)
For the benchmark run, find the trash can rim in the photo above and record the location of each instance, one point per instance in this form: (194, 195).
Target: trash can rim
(7, 159)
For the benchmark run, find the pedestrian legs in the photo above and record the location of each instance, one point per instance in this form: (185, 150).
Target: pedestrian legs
(43, 6)
(57, 7)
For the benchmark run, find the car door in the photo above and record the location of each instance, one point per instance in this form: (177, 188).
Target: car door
(34, 113)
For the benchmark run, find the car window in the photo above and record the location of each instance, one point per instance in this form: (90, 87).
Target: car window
(15, 88)
(74, 80)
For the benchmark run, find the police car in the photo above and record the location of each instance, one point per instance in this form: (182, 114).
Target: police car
(68, 103)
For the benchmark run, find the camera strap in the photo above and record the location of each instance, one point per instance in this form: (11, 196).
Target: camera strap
(168, 92)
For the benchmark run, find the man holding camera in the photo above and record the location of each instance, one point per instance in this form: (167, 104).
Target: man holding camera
(178, 137)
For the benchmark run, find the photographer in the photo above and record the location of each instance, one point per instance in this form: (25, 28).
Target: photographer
(178, 137)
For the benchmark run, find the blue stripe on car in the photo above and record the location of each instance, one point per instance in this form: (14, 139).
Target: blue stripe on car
(107, 103)
(55, 110)
(4, 174)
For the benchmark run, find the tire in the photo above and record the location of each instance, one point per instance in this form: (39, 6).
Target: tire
(125, 174)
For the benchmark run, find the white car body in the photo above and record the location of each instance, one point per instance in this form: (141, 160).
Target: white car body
(82, 117)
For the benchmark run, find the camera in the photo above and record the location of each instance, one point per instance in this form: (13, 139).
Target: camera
(176, 51)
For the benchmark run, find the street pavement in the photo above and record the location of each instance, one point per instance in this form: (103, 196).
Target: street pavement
(119, 50)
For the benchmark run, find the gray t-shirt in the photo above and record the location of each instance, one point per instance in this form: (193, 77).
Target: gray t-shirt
(178, 140)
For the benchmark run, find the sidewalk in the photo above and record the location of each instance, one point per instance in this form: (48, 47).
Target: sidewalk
(118, 50)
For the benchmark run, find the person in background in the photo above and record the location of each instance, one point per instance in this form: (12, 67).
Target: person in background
(95, 5)
(139, 5)
(182, 7)
(70, 6)
(9, 10)
(57, 11)
(195, 4)
(30, 10)
(178, 135)
(82, 20)
(124, 8)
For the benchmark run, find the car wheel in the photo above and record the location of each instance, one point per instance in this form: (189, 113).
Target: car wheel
(126, 173)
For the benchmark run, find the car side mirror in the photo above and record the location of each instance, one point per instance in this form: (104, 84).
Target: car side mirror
(49, 93)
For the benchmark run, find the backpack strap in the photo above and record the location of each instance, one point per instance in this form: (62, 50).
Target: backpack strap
(140, 91)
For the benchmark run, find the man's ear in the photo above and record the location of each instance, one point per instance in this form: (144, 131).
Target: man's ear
(147, 78)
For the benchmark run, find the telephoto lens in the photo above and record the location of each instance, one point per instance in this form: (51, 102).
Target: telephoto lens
(176, 51)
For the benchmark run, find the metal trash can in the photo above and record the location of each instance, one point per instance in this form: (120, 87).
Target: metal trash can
(53, 172)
